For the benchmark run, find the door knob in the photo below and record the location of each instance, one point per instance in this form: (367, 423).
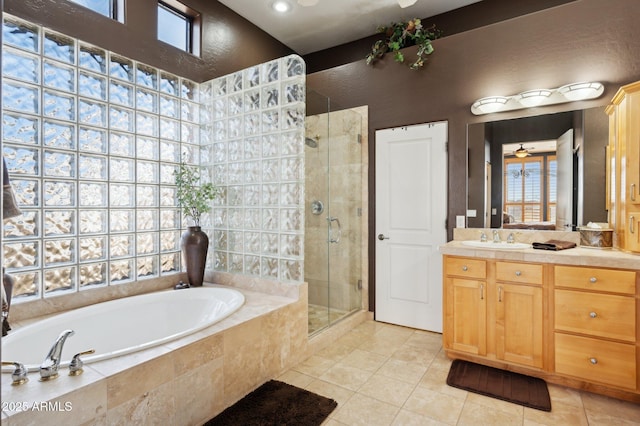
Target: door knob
(382, 237)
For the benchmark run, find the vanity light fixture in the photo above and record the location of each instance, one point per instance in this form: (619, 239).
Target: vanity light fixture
(406, 3)
(538, 97)
(581, 91)
(281, 6)
(532, 98)
(489, 104)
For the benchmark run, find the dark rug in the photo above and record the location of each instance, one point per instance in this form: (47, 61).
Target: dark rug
(506, 385)
(276, 403)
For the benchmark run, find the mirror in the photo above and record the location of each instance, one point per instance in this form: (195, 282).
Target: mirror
(576, 174)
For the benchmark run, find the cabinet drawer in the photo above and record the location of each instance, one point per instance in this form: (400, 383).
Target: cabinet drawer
(465, 267)
(526, 273)
(596, 360)
(603, 315)
(595, 279)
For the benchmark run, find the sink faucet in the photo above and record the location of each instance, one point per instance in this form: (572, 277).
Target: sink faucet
(496, 236)
(483, 238)
(511, 239)
(49, 367)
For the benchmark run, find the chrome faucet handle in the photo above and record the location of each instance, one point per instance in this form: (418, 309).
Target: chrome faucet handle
(483, 237)
(75, 366)
(49, 367)
(511, 239)
(19, 375)
(496, 236)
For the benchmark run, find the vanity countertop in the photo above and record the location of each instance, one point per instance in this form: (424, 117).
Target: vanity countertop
(579, 256)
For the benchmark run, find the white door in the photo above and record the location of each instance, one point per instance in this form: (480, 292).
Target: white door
(564, 182)
(411, 212)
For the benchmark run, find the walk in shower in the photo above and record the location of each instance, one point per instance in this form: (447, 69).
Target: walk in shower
(333, 211)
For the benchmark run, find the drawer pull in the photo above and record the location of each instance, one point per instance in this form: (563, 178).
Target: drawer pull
(518, 273)
(593, 280)
(465, 268)
(593, 315)
(593, 361)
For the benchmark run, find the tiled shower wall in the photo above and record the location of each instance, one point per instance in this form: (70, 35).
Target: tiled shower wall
(91, 140)
(254, 148)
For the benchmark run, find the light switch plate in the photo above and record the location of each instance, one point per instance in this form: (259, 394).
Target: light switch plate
(460, 221)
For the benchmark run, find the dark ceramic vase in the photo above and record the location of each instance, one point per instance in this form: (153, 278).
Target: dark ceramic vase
(194, 244)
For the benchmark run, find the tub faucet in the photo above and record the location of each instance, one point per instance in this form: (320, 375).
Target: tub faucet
(49, 367)
(496, 236)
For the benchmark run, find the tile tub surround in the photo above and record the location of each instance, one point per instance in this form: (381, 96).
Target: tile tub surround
(183, 382)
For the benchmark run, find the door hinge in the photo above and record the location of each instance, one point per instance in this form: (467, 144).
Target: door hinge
(359, 284)
(359, 211)
(359, 138)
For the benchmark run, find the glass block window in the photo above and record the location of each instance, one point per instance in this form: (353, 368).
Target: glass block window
(113, 9)
(253, 143)
(179, 26)
(91, 141)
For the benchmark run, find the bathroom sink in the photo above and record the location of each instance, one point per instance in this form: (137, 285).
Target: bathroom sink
(503, 245)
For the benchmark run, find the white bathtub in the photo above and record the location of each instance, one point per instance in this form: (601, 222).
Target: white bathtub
(122, 326)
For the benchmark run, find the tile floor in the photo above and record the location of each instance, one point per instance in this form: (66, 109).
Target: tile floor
(320, 316)
(382, 374)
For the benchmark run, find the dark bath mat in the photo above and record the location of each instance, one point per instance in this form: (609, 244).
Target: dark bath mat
(506, 385)
(276, 403)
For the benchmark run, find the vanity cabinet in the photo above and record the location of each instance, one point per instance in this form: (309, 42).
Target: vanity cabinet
(465, 308)
(595, 325)
(547, 314)
(494, 309)
(624, 166)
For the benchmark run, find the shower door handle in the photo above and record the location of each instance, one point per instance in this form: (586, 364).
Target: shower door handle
(331, 237)
(382, 237)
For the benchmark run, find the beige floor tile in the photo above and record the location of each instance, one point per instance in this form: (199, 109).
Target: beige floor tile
(409, 372)
(602, 419)
(475, 414)
(561, 414)
(337, 393)
(336, 352)
(296, 378)
(346, 376)
(436, 380)
(364, 360)
(409, 418)
(314, 366)
(438, 406)
(387, 389)
(514, 410)
(600, 404)
(565, 395)
(415, 354)
(365, 411)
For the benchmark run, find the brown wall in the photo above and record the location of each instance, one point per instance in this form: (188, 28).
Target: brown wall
(229, 42)
(585, 40)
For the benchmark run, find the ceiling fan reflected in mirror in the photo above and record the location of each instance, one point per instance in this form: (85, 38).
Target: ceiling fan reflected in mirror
(521, 152)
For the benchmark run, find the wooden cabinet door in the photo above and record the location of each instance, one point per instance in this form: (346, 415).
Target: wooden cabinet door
(632, 238)
(519, 324)
(465, 315)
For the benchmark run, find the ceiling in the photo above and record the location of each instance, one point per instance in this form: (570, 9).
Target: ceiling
(330, 23)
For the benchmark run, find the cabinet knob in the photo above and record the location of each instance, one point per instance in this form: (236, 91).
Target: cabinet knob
(518, 273)
(593, 280)
(593, 361)
(465, 268)
(593, 314)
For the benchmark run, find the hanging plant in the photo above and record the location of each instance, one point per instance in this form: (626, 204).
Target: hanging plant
(402, 34)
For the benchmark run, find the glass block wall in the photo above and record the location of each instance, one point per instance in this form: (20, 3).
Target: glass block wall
(91, 141)
(253, 143)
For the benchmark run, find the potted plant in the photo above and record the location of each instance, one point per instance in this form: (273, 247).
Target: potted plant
(194, 198)
(399, 35)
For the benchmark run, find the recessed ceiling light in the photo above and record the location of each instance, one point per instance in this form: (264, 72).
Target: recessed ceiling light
(281, 6)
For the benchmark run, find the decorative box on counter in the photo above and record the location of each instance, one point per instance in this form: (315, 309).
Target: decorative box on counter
(596, 235)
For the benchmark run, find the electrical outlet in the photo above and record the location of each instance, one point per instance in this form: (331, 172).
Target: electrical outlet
(460, 223)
